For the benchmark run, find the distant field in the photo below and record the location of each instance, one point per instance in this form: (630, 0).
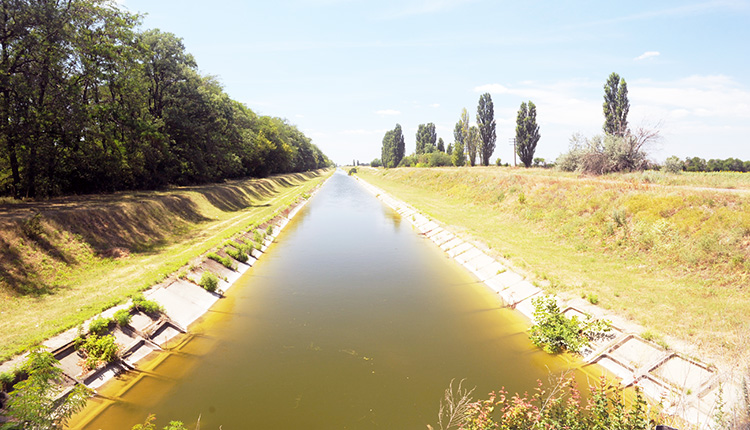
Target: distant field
(64, 260)
(663, 250)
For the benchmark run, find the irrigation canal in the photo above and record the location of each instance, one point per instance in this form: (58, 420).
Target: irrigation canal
(350, 321)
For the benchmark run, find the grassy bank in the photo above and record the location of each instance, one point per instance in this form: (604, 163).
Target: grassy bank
(64, 260)
(675, 259)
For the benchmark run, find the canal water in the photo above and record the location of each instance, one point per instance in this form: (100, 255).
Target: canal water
(350, 321)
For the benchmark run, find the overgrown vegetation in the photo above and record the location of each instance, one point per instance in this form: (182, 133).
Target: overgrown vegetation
(149, 307)
(97, 349)
(33, 403)
(559, 406)
(555, 333)
(100, 326)
(224, 261)
(122, 317)
(209, 281)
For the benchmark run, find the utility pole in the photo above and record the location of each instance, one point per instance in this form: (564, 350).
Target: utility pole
(512, 140)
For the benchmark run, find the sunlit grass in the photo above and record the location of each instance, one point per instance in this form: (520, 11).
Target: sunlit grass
(71, 280)
(674, 259)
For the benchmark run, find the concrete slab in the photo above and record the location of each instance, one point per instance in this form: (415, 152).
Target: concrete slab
(429, 226)
(615, 367)
(490, 271)
(100, 376)
(434, 232)
(525, 307)
(637, 353)
(508, 278)
(683, 373)
(184, 301)
(442, 237)
(140, 321)
(467, 255)
(460, 249)
(164, 334)
(447, 246)
(521, 291)
(480, 262)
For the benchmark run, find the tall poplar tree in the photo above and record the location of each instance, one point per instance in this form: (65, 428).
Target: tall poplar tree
(616, 106)
(393, 148)
(426, 137)
(486, 124)
(527, 133)
(473, 144)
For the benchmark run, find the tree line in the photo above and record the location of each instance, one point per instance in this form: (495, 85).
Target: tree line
(88, 103)
(472, 143)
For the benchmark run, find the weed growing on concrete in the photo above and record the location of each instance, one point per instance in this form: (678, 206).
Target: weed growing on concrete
(555, 333)
(122, 317)
(237, 254)
(258, 237)
(225, 261)
(269, 230)
(98, 350)
(149, 307)
(209, 281)
(593, 299)
(99, 326)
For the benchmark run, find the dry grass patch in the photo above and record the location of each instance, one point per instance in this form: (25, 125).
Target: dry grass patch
(674, 259)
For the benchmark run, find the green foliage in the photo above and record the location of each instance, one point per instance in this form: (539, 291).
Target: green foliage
(150, 307)
(498, 162)
(99, 349)
(527, 133)
(99, 326)
(122, 317)
(258, 237)
(376, 162)
(555, 333)
(606, 154)
(237, 254)
(394, 147)
(486, 129)
(209, 281)
(269, 230)
(352, 171)
(439, 159)
(149, 425)
(225, 261)
(426, 138)
(33, 403)
(6, 380)
(560, 407)
(673, 164)
(98, 105)
(616, 106)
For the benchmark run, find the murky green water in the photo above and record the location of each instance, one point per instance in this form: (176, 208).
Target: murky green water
(351, 321)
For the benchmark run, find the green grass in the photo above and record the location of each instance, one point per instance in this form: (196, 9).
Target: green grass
(672, 258)
(86, 253)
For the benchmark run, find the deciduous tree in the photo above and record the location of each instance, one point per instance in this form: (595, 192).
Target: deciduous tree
(486, 124)
(527, 133)
(426, 137)
(616, 106)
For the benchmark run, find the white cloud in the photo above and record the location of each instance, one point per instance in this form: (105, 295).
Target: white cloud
(647, 54)
(388, 112)
(435, 105)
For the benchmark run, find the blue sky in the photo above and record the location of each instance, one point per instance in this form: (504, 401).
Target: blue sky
(346, 71)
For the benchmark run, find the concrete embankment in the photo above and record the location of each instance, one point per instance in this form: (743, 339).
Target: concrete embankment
(685, 386)
(183, 302)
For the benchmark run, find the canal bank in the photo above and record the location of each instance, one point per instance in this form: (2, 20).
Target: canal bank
(685, 386)
(352, 321)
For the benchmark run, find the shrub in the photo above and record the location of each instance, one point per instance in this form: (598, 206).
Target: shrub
(559, 407)
(122, 317)
(376, 163)
(149, 307)
(673, 164)
(439, 159)
(209, 281)
(237, 254)
(99, 349)
(6, 380)
(352, 171)
(226, 262)
(555, 333)
(269, 230)
(99, 326)
(498, 162)
(258, 237)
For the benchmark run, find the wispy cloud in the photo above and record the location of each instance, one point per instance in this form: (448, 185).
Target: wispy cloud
(388, 112)
(647, 54)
